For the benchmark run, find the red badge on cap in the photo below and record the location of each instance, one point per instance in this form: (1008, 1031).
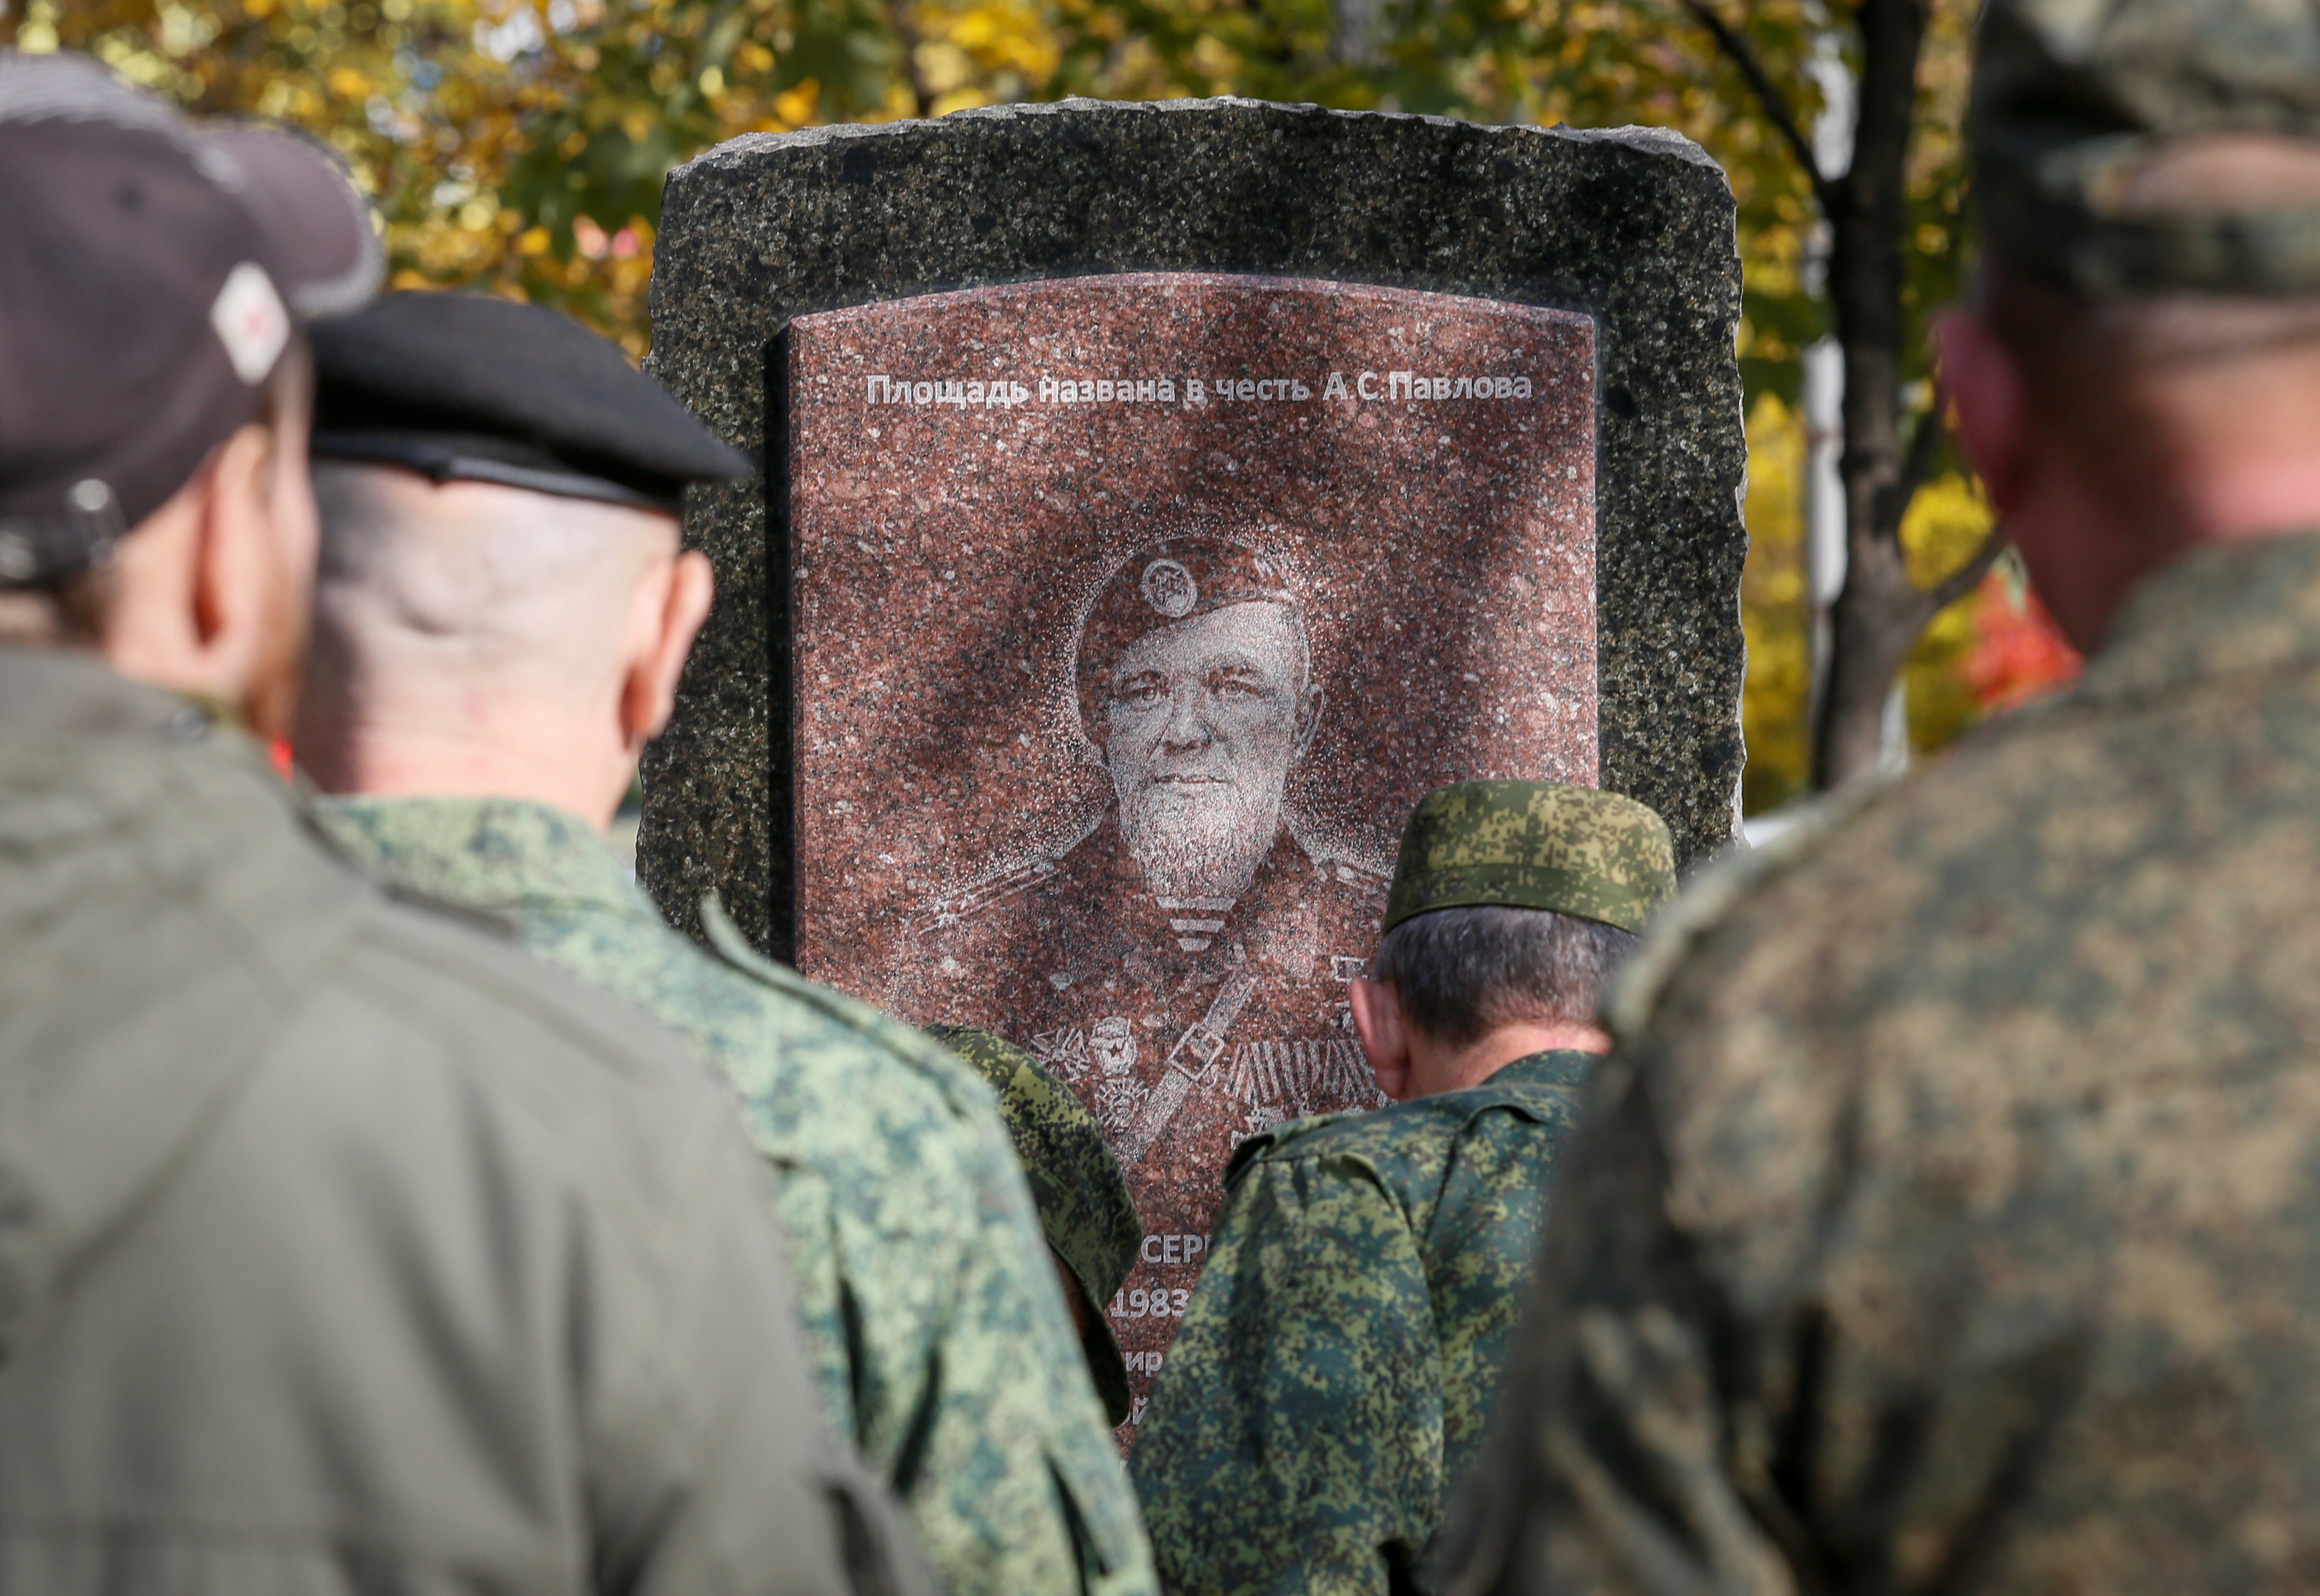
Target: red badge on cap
(250, 321)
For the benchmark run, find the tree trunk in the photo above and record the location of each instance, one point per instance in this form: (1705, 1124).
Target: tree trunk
(1880, 611)
(1873, 627)
(1355, 29)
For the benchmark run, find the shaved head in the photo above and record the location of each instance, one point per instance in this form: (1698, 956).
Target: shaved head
(499, 588)
(471, 621)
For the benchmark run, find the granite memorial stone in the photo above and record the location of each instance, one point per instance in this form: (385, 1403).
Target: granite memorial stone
(1158, 500)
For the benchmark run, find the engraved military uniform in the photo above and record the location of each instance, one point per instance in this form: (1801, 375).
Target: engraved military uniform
(1192, 1023)
(1334, 1377)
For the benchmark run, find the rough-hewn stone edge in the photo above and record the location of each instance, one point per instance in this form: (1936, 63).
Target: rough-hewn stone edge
(746, 147)
(681, 855)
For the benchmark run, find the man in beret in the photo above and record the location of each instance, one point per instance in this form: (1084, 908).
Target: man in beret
(1947, 1217)
(503, 611)
(1193, 945)
(1333, 1377)
(1084, 1207)
(342, 1245)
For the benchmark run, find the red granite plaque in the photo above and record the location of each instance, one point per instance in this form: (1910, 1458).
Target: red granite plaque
(1132, 615)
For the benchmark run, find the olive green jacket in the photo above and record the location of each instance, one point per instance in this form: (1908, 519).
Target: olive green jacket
(1337, 1360)
(342, 1247)
(942, 1340)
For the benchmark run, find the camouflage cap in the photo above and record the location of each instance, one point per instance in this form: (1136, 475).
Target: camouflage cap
(2071, 95)
(1085, 1208)
(1533, 845)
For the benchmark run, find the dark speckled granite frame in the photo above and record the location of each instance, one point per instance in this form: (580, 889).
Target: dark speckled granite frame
(1633, 225)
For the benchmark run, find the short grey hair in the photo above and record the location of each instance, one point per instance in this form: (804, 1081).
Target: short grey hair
(1461, 974)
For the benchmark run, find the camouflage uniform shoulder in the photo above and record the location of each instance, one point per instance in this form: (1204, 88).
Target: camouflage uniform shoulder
(1281, 1140)
(964, 1089)
(1710, 900)
(1386, 1134)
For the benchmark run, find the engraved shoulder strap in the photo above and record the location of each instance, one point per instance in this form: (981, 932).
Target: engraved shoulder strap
(1199, 1045)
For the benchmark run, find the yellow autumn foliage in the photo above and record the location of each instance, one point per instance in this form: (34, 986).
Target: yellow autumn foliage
(519, 147)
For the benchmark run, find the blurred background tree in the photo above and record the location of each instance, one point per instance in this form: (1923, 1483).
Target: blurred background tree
(518, 146)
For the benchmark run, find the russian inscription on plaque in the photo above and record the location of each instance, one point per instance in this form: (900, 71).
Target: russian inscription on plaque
(1132, 614)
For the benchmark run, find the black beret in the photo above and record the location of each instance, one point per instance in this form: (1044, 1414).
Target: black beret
(459, 385)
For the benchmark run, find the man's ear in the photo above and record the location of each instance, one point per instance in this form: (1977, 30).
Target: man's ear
(247, 581)
(1308, 718)
(1981, 378)
(1384, 1031)
(230, 546)
(648, 696)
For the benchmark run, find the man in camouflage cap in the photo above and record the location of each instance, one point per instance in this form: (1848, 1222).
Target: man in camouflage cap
(1332, 1378)
(1084, 1207)
(1946, 1217)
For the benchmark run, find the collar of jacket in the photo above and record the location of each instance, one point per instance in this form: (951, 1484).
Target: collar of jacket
(484, 853)
(64, 692)
(2246, 606)
(1556, 1067)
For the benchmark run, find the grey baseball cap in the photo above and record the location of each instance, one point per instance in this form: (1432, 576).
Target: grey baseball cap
(152, 271)
(2071, 96)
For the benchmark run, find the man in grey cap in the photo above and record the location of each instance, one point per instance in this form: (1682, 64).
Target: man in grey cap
(502, 610)
(1947, 1216)
(341, 1245)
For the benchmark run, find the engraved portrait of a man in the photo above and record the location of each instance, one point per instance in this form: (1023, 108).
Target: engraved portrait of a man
(1183, 960)
(1198, 722)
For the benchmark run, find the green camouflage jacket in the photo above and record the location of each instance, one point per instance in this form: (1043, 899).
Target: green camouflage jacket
(1334, 1373)
(942, 1342)
(1948, 1216)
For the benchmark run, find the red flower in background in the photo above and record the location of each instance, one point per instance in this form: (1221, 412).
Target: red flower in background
(2018, 652)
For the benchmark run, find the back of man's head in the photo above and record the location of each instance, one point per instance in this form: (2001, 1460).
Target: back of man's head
(502, 607)
(2153, 385)
(1512, 902)
(2142, 369)
(153, 276)
(1462, 974)
(468, 619)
